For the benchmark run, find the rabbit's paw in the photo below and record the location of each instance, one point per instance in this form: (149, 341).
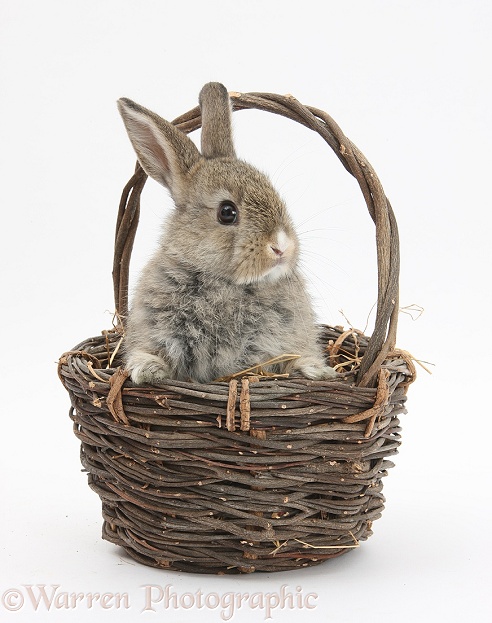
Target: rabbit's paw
(146, 368)
(315, 369)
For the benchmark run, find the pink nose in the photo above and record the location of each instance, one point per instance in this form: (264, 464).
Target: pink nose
(277, 252)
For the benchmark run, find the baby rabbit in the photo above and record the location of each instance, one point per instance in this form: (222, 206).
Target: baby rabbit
(223, 292)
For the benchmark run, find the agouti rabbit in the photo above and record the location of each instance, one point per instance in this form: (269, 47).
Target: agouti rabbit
(223, 292)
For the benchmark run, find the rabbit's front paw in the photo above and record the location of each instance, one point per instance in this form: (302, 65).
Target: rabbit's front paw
(315, 369)
(146, 368)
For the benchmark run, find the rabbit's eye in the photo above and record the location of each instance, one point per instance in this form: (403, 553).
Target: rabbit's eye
(227, 213)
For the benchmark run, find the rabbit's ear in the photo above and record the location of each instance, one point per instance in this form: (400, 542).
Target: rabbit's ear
(216, 112)
(165, 153)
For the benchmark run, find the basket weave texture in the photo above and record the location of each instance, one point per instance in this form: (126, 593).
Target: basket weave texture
(253, 473)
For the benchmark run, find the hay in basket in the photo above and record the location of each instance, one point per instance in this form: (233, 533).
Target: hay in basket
(250, 473)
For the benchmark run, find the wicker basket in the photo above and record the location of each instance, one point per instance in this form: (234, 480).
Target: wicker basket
(257, 473)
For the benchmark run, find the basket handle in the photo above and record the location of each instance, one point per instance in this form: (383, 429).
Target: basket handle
(383, 338)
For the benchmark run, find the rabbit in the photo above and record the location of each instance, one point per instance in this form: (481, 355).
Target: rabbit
(223, 292)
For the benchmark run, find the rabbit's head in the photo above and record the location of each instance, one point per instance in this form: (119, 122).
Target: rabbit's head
(228, 220)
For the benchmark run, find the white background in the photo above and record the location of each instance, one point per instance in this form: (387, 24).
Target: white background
(409, 83)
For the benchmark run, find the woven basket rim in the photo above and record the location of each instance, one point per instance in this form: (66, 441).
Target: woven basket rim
(82, 362)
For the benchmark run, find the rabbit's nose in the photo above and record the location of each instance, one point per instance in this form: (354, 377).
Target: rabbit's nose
(281, 243)
(277, 252)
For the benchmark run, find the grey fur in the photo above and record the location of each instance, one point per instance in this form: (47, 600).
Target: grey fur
(216, 111)
(215, 298)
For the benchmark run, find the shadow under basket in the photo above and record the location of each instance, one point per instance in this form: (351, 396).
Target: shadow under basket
(255, 473)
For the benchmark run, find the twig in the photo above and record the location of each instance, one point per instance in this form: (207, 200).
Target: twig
(258, 369)
(115, 352)
(412, 309)
(356, 544)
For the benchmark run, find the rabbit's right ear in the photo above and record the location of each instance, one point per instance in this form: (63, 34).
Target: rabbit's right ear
(165, 153)
(216, 110)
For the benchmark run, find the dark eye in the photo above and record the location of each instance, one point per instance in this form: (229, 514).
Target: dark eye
(227, 213)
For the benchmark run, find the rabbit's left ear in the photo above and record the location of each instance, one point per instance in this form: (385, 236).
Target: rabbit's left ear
(216, 112)
(165, 153)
